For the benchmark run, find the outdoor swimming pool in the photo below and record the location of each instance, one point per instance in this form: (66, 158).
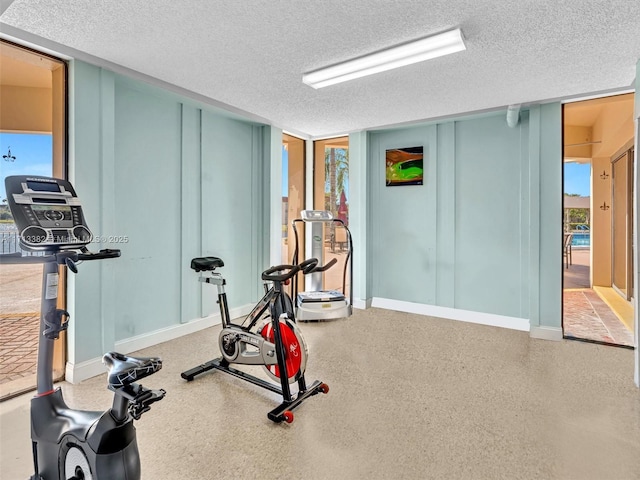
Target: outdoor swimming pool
(581, 239)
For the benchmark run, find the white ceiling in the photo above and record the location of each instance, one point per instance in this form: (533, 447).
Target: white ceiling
(250, 55)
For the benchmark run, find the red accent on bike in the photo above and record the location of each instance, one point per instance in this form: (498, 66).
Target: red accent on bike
(292, 355)
(324, 388)
(288, 416)
(45, 393)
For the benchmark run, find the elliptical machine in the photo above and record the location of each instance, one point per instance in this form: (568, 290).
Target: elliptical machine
(276, 342)
(73, 444)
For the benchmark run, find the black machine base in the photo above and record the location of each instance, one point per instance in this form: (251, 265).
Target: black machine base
(282, 412)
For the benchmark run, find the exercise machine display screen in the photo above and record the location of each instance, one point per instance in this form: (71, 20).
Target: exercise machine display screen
(47, 213)
(316, 216)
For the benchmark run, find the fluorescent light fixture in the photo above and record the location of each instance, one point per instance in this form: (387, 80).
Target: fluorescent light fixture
(394, 57)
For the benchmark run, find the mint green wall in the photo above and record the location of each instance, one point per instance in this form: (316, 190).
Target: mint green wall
(174, 180)
(147, 209)
(484, 231)
(359, 191)
(545, 184)
(489, 225)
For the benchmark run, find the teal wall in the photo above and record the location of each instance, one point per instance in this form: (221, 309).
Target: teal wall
(173, 180)
(178, 180)
(484, 231)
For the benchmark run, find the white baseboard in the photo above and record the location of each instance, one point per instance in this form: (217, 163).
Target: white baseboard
(546, 333)
(75, 373)
(361, 304)
(513, 323)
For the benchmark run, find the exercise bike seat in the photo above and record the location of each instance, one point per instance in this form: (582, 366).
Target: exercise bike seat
(206, 263)
(125, 370)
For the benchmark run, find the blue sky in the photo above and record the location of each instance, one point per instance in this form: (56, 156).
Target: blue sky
(33, 154)
(577, 179)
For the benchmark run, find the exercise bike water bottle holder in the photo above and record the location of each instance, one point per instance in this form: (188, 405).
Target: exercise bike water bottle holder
(54, 323)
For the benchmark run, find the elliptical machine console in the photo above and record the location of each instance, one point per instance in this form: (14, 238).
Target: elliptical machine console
(73, 444)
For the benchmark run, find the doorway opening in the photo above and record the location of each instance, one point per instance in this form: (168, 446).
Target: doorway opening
(598, 139)
(293, 191)
(32, 142)
(331, 192)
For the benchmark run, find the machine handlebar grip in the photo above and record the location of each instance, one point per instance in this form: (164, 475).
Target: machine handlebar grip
(305, 267)
(325, 267)
(102, 254)
(310, 265)
(289, 272)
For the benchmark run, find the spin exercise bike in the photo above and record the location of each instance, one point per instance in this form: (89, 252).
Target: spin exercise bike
(73, 444)
(276, 342)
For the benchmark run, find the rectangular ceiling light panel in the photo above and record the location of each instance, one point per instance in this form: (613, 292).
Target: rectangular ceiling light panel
(395, 57)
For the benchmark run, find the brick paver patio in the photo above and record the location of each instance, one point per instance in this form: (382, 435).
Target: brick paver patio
(585, 315)
(20, 290)
(588, 317)
(18, 345)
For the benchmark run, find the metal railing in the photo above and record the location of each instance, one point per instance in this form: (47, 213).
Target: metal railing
(10, 243)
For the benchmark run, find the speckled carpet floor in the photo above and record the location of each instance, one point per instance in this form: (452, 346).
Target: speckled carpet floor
(412, 397)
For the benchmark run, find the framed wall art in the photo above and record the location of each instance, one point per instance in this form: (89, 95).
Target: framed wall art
(403, 166)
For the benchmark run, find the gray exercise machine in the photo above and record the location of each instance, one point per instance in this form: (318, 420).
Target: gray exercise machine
(318, 303)
(70, 444)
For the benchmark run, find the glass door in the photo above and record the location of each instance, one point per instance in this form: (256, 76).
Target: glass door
(622, 224)
(293, 194)
(331, 192)
(32, 142)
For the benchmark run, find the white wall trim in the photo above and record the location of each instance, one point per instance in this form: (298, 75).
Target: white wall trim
(546, 333)
(76, 373)
(361, 304)
(513, 323)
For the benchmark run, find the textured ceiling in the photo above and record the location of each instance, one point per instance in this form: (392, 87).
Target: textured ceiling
(251, 54)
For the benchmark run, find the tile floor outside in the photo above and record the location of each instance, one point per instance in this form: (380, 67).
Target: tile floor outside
(586, 315)
(19, 322)
(19, 345)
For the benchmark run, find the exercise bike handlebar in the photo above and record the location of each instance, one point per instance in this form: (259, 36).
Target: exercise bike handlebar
(100, 255)
(325, 267)
(289, 270)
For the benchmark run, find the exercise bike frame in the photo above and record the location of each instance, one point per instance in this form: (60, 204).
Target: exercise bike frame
(107, 439)
(66, 443)
(274, 300)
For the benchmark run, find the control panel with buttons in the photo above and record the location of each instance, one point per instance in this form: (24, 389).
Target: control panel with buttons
(47, 213)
